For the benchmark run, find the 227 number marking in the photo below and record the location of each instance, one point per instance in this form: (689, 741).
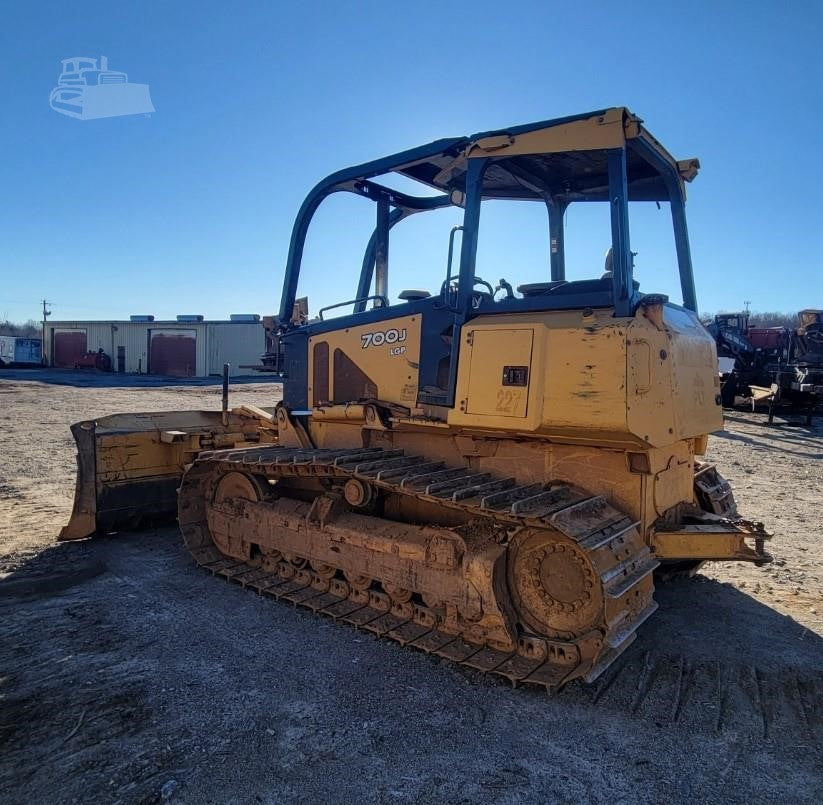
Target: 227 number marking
(507, 401)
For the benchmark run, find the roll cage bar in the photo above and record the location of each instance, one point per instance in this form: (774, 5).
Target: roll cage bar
(604, 156)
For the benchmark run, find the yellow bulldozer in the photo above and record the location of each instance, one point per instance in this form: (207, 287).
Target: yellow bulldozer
(495, 477)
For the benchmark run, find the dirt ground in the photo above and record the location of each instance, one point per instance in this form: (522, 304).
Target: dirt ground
(142, 679)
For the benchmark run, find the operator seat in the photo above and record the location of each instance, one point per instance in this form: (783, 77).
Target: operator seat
(608, 267)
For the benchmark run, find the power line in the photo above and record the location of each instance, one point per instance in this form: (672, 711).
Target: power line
(53, 304)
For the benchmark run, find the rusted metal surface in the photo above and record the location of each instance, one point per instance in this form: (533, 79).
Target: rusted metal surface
(69, 348)
(130, 465)
(691, 535)
(173, 353)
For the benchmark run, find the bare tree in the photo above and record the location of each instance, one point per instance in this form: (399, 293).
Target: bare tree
(759, 319)
(31, 329)
(773, 319)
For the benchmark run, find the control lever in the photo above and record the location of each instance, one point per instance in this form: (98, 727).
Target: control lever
(504, 286)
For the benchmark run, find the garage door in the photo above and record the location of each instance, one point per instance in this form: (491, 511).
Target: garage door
(173, 352)
(69, 347)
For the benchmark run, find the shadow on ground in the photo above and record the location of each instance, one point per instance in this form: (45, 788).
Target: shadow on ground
(94, 379)
(779, 438)
(154, 676)
(785, 416)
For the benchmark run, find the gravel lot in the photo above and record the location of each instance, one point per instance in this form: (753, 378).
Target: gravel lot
(139, 678)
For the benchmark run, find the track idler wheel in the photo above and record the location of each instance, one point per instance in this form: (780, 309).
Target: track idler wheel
(234, 486)
(555, 589)
(358, 494)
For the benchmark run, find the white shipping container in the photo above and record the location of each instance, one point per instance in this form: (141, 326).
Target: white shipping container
(6, 349)
(19, 351)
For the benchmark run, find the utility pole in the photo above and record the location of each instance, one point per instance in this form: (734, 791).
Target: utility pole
(46, 314)
(746, 303)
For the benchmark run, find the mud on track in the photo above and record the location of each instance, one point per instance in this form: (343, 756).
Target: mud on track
(133, 673)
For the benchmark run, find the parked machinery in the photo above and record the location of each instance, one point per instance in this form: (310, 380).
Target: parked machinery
(773, 365)
(491, 477)
(729, 331)
(272, 359)
(799, 379)
(94, 360)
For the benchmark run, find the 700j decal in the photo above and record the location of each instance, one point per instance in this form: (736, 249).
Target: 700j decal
(377, 339)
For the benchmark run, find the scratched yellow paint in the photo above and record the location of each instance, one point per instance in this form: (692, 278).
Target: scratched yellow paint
(387, 351)
(592, 379)
(492, 351)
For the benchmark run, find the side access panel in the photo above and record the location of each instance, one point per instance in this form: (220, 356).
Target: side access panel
(499, 372)
(498, 385)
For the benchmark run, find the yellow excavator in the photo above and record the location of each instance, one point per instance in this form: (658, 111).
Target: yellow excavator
(492, 476)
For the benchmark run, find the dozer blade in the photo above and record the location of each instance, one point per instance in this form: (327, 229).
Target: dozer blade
(129, 466)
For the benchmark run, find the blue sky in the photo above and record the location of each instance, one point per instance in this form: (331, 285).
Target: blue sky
(189, 210)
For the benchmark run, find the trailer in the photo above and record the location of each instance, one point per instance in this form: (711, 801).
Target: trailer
(16, 351)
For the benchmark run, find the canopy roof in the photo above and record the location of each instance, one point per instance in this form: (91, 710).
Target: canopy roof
(605, 155)
(565, 158)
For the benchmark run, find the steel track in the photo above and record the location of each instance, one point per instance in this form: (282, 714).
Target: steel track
(608, 536)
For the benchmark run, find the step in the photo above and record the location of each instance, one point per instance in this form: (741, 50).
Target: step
(331, 456)
(405, 473)
(600, 538)
(422, 481)
(446, 488)
(615, 584)
(607, 660)
(356, 455)
(486, 488)
(254, 456)
(279, 455)
(507, 497)
(309, 455)
(361, 467)
(627, 631)
(397, 466)
(548, 502)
